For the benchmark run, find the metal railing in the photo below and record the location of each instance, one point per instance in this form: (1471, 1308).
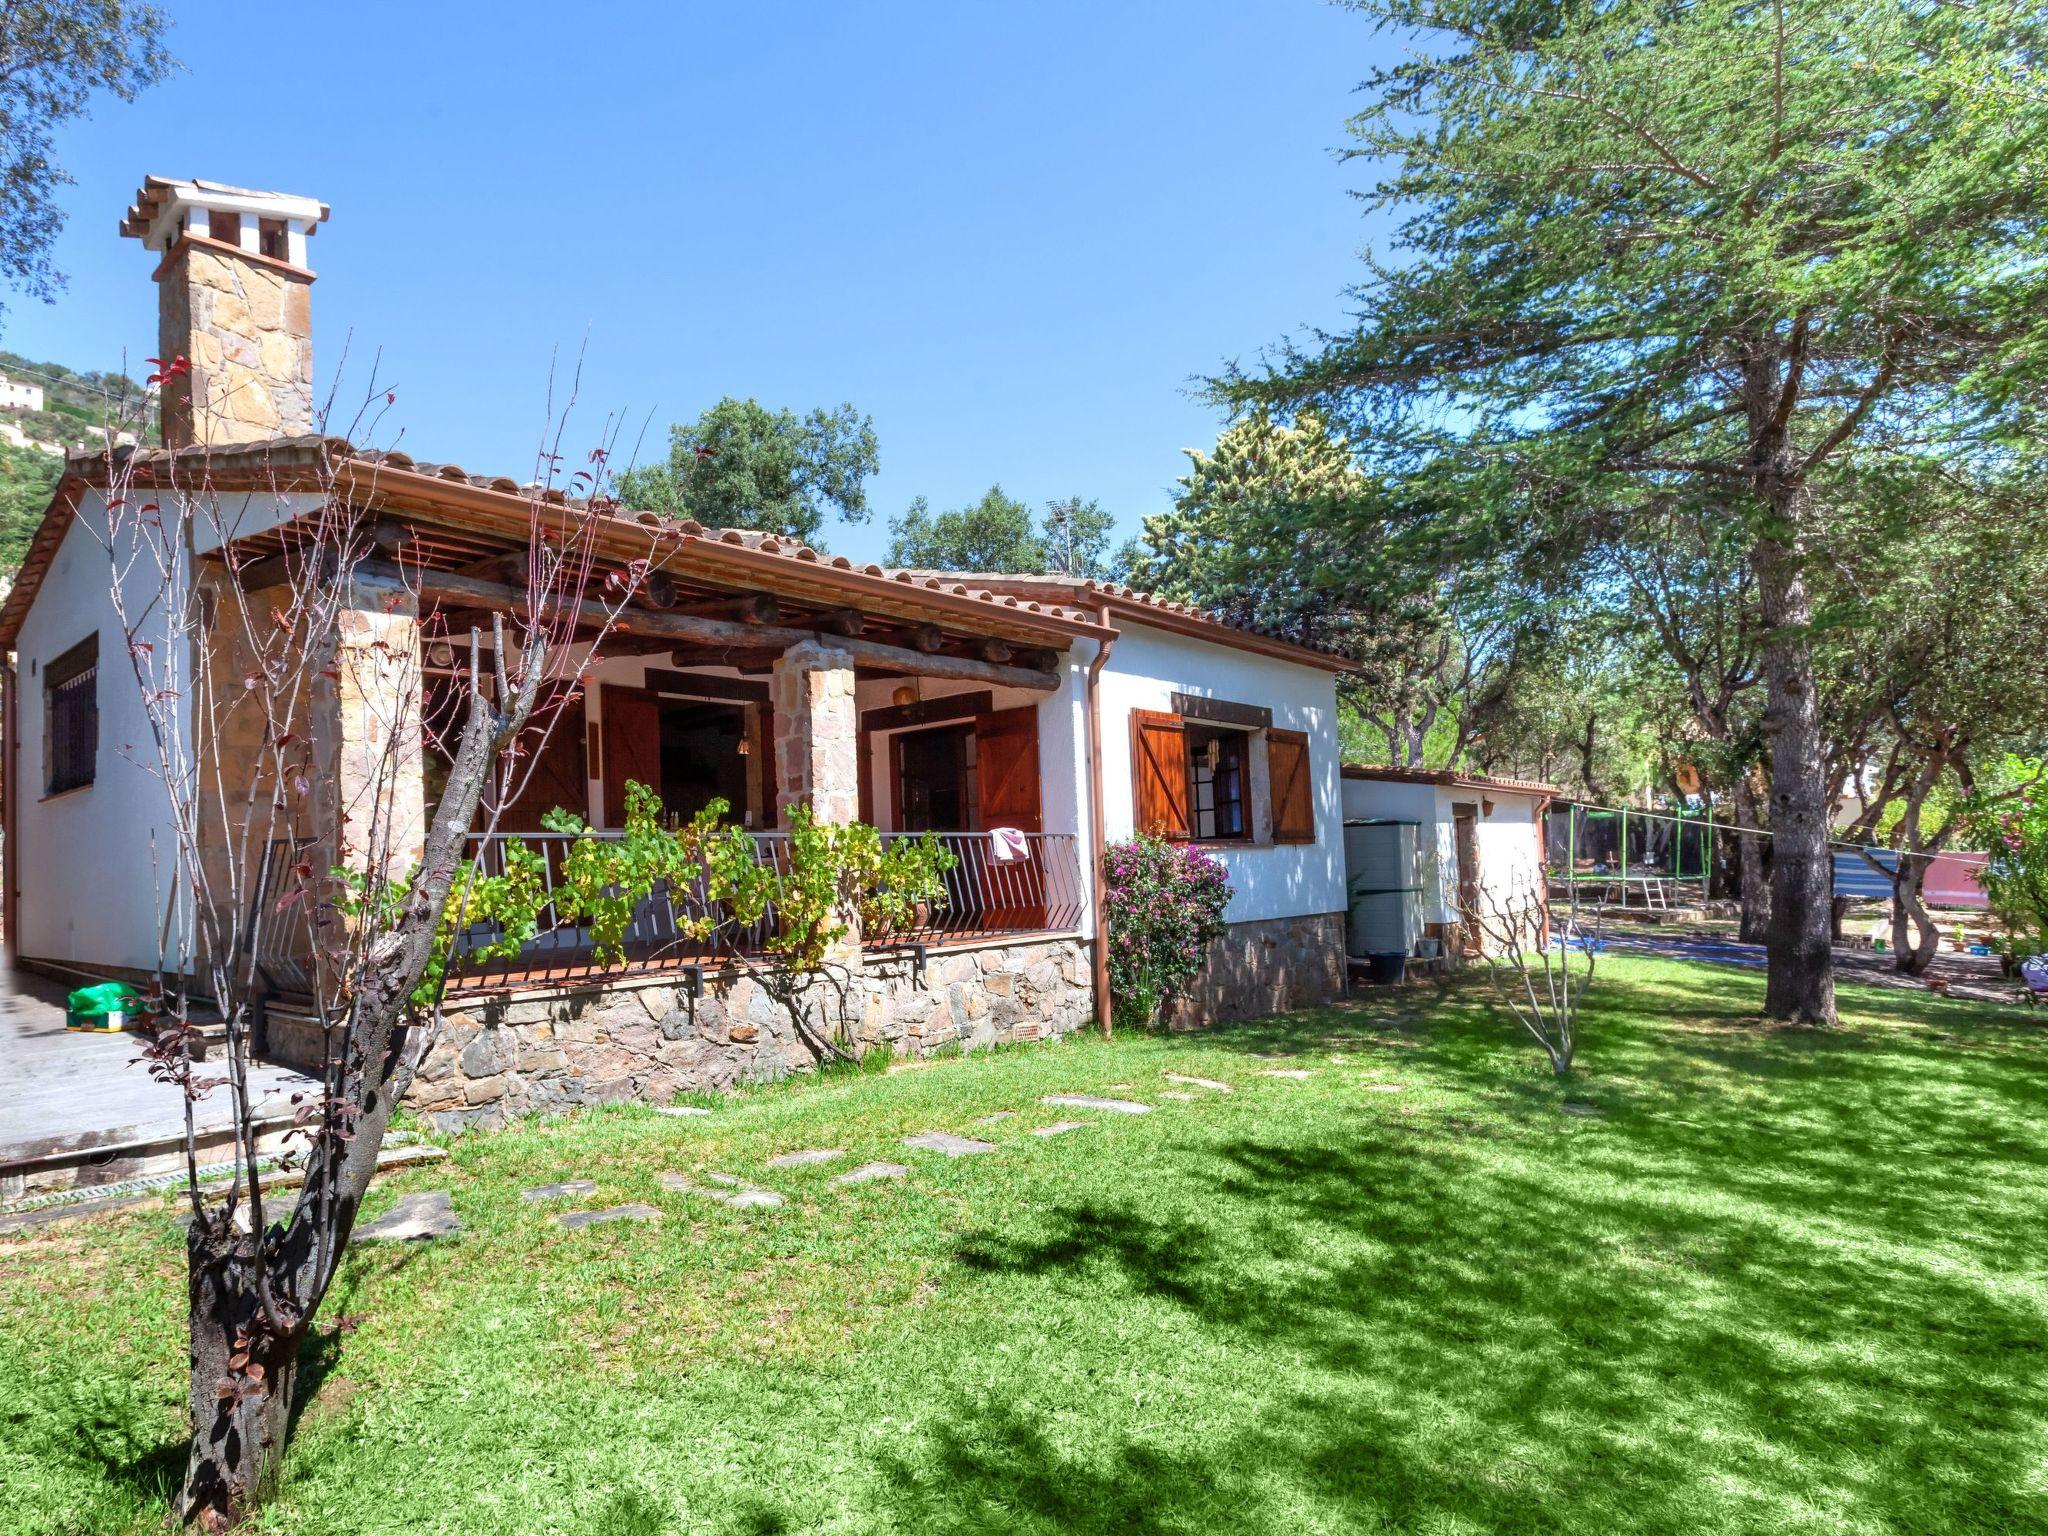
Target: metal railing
(987, 896)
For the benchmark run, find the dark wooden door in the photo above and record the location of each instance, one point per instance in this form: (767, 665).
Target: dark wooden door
(632, 747)
(548, 770)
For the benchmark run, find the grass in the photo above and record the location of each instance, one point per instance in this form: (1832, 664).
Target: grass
(1783, 1281)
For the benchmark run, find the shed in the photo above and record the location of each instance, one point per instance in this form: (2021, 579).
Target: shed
(1478, 842)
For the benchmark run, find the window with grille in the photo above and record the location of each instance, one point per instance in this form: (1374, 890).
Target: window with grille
(71, 717)
(1216, 779)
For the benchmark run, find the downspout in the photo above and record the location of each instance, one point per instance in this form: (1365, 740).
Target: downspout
(1543, 870)
(10, 853)
(1096, 839)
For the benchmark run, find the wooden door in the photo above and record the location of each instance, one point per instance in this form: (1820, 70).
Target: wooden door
(549, 771)
(1006, 760)
(632, 747)
(1006, 750)
(1465, 831)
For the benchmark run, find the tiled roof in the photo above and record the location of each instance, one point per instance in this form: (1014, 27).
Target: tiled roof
(310, 451)
(1080, 589)
(1449, 778)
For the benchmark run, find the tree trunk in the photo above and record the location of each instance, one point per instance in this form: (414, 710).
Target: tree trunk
(242, 1377)
(1754, 888)
(1800, 978)
(1916, 937)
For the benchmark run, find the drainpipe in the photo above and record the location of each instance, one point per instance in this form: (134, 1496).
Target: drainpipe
(10, 797)
(1095, 825)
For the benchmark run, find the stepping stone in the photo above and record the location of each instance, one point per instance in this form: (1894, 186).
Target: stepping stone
(1001, 1114)
(1386, 1088)
(680, 1111)
(867, 1173)
(1584, 1111)
(735, 1192)
(1122, 1087)
(1198, 1082)
(576, 1219)
(807, 1157)
(1185, 1098)
(412, 1218)
(947, 1143)
(1059, 1128)
(1294, 1074)
(559, 1191)
(1090, 1101)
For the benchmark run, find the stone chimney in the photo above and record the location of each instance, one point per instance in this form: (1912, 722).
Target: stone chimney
(234, 299)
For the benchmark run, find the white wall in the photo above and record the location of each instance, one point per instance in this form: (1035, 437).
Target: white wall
(1144, 670)
(83, 860)
(1510, 860)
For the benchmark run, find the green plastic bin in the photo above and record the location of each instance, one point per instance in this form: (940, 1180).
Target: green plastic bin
(105, 1007)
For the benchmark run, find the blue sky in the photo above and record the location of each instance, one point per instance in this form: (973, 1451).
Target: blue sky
(1009, 233)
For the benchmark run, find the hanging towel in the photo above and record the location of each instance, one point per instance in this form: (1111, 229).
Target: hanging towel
(1008, 844)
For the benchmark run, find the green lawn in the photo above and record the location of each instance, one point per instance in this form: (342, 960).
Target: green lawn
(1782, 1281)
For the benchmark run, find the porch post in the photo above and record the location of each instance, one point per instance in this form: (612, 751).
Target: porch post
(370, 788)
(817, 733)
(817, 748)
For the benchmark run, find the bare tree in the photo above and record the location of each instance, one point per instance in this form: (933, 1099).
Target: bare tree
(1530, 960)
(274, 633)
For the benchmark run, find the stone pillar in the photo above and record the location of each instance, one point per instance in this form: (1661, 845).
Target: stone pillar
(817, 749)
(370, 795)
(817, 733)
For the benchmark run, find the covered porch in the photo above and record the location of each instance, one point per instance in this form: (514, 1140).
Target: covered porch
(760, 674)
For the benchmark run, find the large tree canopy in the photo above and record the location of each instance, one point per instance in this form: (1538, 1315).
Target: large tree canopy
(1281, 528)
(995, 534)
(741, 465)
(54, 54)
(1710, 247)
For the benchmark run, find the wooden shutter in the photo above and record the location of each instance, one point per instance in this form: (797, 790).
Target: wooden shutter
(1294, 810)
(552, 770)
(632, 747)
(1006, 757)
(1159, 774)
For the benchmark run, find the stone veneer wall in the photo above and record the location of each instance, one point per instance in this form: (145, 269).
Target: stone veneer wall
(646, 1039)
(245, 324)
(1268, 966)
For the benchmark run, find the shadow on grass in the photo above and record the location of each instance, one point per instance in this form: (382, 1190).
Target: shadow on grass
(1742, 1298)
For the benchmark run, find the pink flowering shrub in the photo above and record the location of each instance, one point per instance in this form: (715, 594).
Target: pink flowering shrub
(1165, 903)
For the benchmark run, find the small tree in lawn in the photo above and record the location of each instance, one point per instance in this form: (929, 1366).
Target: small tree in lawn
(243, 661)
(1534, 971)
(1163, 902)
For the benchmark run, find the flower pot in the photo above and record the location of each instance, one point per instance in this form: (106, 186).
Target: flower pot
(1387, 969)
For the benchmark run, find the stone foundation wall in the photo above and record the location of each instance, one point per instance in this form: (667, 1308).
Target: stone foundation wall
(1268, 966)
(647, 1039)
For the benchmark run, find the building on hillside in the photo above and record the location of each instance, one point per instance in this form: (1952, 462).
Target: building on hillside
(19, 395)
(1022, 721)
(1477, 845)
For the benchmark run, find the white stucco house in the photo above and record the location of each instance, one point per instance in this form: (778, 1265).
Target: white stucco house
(19, 395)
(1061, 713)
(1477, 841)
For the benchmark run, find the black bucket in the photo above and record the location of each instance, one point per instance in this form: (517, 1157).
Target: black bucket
(1387, 969)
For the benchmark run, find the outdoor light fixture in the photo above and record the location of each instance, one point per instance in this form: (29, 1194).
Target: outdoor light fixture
(904, 696)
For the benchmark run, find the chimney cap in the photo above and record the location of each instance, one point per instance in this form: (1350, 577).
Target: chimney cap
(154, 217)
